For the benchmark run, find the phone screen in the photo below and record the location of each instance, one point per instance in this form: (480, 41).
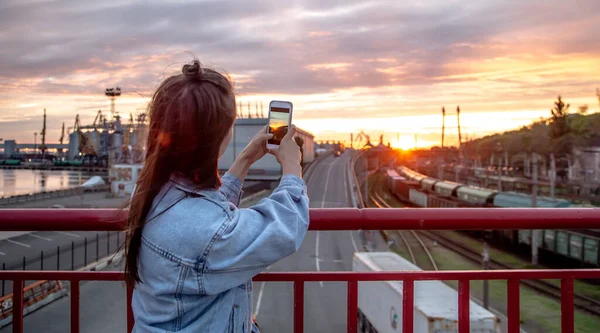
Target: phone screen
(278, 124)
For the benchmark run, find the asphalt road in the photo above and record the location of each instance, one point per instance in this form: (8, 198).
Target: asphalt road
(325, 303)
(103, 303)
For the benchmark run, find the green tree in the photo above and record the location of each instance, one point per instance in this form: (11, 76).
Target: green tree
(559, 125)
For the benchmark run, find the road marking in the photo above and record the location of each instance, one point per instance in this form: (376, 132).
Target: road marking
(2, 253)
(317, 256)
(18, 243)
(68, 234)
(322, 206)
(353, 242)
(346, 184)
(326, 184)
(260, 294)
(40, 237)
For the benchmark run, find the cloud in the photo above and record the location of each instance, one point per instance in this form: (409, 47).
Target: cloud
(419, 55)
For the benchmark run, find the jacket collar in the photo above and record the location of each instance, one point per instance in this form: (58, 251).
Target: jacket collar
(188, 186)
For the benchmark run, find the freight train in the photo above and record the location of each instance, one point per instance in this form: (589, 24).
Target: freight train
(572, 247)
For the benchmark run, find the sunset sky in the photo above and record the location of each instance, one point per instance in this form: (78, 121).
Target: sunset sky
(379, 66)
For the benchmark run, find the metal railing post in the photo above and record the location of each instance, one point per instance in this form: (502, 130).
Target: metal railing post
(58, 258)
(73, 255)
(97, 248)
(107, 242)
(298, 306)
(85, 252)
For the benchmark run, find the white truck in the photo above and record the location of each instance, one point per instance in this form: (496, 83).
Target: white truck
(435, 303)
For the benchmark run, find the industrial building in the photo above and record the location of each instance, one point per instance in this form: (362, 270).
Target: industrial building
(267, 167)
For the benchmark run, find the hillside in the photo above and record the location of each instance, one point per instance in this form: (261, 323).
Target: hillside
(582, 130)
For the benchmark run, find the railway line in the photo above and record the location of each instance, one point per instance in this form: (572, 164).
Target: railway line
(411, 239)
(582, 302)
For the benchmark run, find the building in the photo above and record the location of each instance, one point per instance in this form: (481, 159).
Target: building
(267, 168)
(10, 148)
(584, 175)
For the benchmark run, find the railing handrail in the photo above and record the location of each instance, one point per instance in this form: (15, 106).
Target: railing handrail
(334, 219)
(330, 276)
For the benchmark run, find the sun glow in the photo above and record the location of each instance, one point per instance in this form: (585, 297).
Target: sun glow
(405, 142)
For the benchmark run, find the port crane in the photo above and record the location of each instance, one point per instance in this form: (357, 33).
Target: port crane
(43, 134)
(62, 137)
(360, 137)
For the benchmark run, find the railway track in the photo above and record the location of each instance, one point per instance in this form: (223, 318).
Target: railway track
(410, 238)
(582, 302)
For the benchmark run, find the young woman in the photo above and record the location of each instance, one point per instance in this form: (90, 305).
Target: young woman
(191, 252)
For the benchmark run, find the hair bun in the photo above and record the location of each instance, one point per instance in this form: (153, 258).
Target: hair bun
(193, 69)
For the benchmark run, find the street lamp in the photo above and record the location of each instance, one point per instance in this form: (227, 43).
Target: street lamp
(499, 150)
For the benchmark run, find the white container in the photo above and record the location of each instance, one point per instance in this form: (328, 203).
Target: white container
(417, 197)
(435, 303)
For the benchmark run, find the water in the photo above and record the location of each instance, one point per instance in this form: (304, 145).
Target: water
(13, 182)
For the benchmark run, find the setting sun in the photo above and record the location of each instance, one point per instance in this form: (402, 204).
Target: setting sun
(405, 142)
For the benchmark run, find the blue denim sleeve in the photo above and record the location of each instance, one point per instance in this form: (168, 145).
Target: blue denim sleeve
(231, 187)
(259, 236)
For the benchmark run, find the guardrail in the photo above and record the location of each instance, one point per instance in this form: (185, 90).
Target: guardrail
(21, 198)
(338, 219)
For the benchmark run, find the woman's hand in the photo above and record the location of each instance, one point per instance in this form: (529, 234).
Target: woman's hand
(288, 154)
(257, 147)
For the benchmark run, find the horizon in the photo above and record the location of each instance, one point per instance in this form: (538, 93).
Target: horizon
(373, 66)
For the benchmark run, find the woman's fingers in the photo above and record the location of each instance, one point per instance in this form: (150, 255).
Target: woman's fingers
(290, 133)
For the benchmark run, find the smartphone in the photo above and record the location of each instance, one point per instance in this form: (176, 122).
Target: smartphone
(280, 118)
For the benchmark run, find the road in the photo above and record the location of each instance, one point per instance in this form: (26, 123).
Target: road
(325, 303)
(103, 303)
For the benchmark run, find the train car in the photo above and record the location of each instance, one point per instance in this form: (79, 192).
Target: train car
(514, 200)
(417, 197)
(436, 201)
(428, 183)
(391, 177)
(574, 246)
(435, 303)
(402, 188)
(446, 188)
(476, 195)
(411, 175)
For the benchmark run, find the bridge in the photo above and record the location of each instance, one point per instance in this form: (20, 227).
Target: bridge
(320, 293)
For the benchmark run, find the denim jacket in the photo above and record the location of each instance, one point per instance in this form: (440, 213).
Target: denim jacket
(199, 253)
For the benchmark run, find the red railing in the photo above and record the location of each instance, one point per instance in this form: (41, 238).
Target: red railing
(337, 219)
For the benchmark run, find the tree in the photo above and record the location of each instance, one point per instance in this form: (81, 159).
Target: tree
(583, 109)
(558, 124)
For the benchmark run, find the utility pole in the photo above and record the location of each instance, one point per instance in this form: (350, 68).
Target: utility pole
(506, 161)
(443, 124)
(351, 140)
(499, 148)
(534, 238)
(486, 266)
(459, 136)
(456, 173)
(552, 175)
